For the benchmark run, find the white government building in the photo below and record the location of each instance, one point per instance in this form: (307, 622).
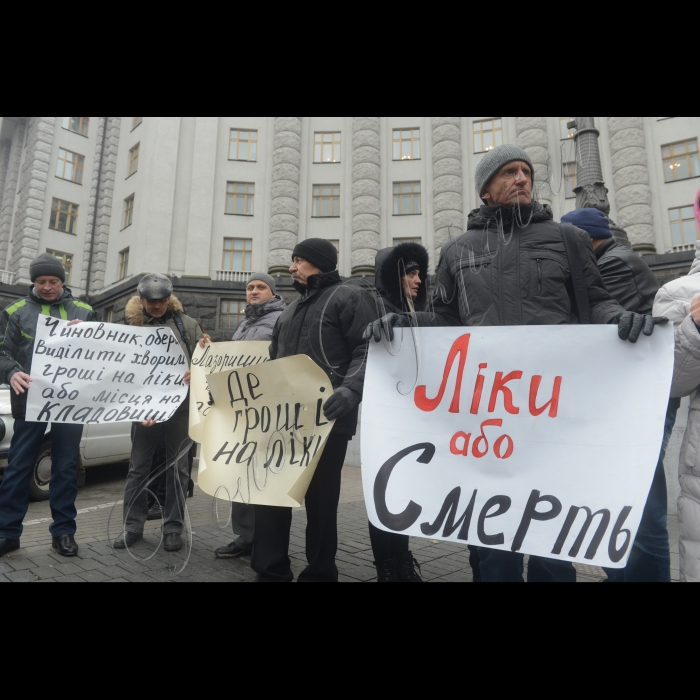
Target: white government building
(212, 198)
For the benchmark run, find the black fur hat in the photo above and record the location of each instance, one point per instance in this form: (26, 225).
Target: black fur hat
(393, 263)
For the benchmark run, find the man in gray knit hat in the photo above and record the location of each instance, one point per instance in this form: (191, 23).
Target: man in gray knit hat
(263, 310)
(527, 266)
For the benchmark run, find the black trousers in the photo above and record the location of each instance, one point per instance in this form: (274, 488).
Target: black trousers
(387, 546)
(273, 525)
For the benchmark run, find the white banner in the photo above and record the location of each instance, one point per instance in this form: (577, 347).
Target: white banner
(96, 373)
(538, 440)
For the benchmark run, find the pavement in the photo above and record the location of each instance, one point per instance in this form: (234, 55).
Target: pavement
(99, 522)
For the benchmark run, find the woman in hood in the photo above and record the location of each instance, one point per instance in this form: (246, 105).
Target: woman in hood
(402, 284)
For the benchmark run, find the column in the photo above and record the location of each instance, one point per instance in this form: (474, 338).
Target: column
(631, 181)
(286, 179)
(533, 138)
(366, 194)
(7, 206)
(448, 184)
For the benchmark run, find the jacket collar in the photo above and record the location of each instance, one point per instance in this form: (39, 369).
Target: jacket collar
(149, 320)
(608, 245)
(492, 216)
(66, 295)
(318, 282)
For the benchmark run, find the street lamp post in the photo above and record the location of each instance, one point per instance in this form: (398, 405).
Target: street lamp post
(591, 192)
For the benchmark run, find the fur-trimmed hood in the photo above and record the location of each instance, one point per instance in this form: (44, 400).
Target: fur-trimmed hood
(389, 273)
(134, 311)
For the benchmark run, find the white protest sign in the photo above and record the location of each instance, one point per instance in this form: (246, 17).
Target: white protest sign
(266, 432)
(538, 440)
(96, 373)
(214, 358)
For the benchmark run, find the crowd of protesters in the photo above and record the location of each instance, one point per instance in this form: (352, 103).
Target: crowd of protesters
(333, 323)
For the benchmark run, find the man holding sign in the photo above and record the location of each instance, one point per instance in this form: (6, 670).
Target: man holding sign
(516, 267)
(18, 326)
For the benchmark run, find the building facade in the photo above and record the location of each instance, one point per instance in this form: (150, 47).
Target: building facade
(209, 199)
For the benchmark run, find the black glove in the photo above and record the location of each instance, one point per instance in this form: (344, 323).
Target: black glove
(343, 402)
(388, 323)
(631, 325)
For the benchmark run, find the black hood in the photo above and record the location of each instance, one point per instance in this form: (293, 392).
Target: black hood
(389, 273)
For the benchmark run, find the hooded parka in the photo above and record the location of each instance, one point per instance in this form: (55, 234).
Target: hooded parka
(18, 328)
(674, 302)
(327, 323)
(260, 320)
(391, 268)
(511, 269)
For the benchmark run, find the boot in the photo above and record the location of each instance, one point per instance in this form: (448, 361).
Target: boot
(386, 571)
(406, 569)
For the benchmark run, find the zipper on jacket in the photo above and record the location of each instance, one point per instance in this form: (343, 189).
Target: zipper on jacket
(539, 277)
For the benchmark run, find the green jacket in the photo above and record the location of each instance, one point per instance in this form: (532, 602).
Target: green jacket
(17, 328)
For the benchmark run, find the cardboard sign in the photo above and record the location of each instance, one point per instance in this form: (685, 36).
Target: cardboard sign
(214, 358)
(538, 440)
(265, 434)
(96, 373)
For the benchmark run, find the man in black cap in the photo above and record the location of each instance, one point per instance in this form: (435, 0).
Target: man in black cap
(326, 323)
(47, 297)
(157, 306)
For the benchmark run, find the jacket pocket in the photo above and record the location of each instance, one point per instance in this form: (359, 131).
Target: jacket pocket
(475, 287)
(548, 274)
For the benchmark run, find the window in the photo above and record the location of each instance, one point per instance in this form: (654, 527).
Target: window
(66, 260)
(232, 314)
(570, 180)
(78, 125)
(243, 145)
(684, 227)
(238, 255)
(407, 198)
(488, 134)
(135, 122)
(681, 161)
(326, 201)
(240, 198)
(327, 147)
(564, 132)
(70, 166)
(109, 315)
(123, 265)
(406, 144)
(128, 212)
(134, 159)
(64, 216)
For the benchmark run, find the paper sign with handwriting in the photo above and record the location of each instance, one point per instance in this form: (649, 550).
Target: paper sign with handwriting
(265, 433)
(96, 373)
(537, 440)
(218, 357)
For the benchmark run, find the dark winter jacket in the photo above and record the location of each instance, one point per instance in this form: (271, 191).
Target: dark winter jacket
(389, 273)
(260, 320)
(506, 272)
(627, 277)
(327, 323)
(18, 328)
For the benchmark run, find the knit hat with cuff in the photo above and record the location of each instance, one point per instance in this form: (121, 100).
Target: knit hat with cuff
(592, 221)
(46, 265)
(494, 160)
(318, 252)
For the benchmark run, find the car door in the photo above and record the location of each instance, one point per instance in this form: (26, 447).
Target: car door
(105, 444)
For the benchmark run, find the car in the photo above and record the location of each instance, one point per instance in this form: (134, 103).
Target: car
(101, 444)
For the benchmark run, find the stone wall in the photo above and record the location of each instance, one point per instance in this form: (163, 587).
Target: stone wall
(448, 183)
(533, 138)
(8, 199)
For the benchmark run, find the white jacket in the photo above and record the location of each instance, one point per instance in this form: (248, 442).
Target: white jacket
(674, 301)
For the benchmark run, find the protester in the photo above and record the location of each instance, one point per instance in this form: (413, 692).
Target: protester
(402, 284)
(48, 297)
(515, 266)
(156, 306)
(261, 315)
(680, 302)
(634, 286)
(326, 323)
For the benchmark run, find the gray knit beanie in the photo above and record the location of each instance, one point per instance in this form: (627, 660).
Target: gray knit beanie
(155, 287)
(46, 265)
(262, 277)
(494, 160)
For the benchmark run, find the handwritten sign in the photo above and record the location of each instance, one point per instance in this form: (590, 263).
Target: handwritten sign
(265, 434)
(538, 440)
(96, 373)
(214, 358)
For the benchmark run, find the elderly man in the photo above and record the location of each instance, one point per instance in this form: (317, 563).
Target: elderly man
(531, 271)
(326, 323)
(261, 315)
(47, 297)
(156, 306)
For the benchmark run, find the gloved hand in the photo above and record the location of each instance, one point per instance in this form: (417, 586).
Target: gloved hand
(631, 325)
(343, 402)
(388, 323)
